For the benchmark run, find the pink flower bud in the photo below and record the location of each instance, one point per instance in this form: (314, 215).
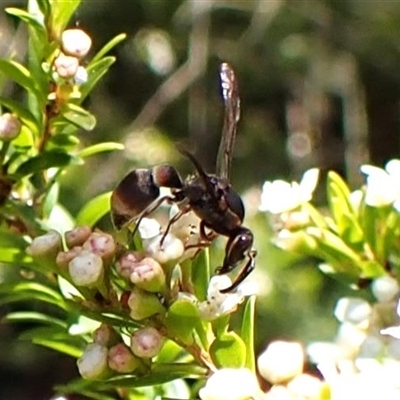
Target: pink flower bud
(77, 236)
(76, 42)
(106, 335)
(143, 304)
(86, 269)
(66, 66)
(146, 342)
(45, 245)
(121, 359)
(126, 262)
(10, 127)
(93, 362)
(148, 275)
(102, 244)
(65, 257)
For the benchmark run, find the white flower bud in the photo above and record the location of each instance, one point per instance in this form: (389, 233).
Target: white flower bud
(385, 288)
(281, 361)
(231, 384)
(48, 244)
(86, 269)
(10, 126)
(146, 342)
(66, 66)
(120, 359)
(76, 42)
(353, 310)
(171, 249)
(148, 275)
(81, 76)
(93, 362)
(143, 304)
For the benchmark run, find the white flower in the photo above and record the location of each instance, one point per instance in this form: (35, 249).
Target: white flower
(280, 196)
(385, 288)
(231, 384)
(170, 250)
(281, 361)
(217, 303)
(93, 362)
(353, 310)
(383, 185)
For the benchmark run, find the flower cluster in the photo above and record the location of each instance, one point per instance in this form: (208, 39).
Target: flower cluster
(145, 283)
(67, 69)
(357, 240)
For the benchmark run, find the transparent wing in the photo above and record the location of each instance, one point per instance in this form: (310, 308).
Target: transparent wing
(230, 94)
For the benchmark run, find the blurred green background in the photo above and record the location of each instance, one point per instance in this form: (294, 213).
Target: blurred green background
(320, 86)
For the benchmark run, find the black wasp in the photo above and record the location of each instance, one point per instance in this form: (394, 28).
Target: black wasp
(210, 197)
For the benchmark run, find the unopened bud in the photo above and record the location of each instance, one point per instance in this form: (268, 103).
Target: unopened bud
(86, 269)
(46, 245)
(143, 304)
(148, 275)
(281, 361)
(77, 236)
(106, 335)
(385, 288)
(65, 257)
(81, 75)
(127, 262)
(121, 359)
(146, 342)
(93, 362)
(10, 127)
(66, 66)
(170, 250)
(102, 244)
(76, 42)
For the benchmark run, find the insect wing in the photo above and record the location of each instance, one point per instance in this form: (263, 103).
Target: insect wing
(230, 94)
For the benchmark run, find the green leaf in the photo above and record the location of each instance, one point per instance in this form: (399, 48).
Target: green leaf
(44, 7)
(56, 339)
(30, 291)
(95, 71)
(228, 351)
(61, 13)
(100, 148)
(342, 210)
(31, 19)
(201, 274)
(44, 161)
(12, 248)
(62, 142)
(32, 316)
(247, 332)
(19, 74)
(79, 116)
(108, 47)
(94, 210)
(181, 318)
(24, 141)
(23, 114)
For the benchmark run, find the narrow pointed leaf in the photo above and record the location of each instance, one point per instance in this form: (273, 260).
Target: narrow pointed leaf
(94, 210)
(247, 332)
(79, 117)
(100, 148)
